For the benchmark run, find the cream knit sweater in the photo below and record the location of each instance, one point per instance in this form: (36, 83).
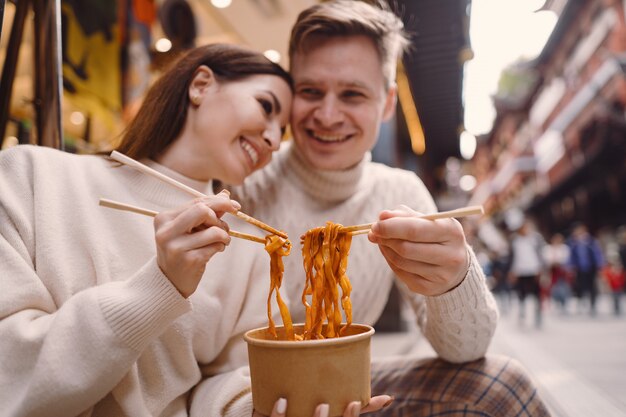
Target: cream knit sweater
(293, 197)
(89, 325)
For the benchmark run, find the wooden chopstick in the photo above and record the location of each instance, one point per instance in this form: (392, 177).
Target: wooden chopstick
(361, 229)
(139, 210)
(460, 212)
(120, 157)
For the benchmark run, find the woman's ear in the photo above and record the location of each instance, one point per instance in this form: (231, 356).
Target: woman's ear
(203, 79)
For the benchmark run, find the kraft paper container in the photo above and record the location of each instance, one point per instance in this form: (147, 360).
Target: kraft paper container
(309, 372)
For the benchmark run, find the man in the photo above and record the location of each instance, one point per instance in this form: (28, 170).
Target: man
(343, 59)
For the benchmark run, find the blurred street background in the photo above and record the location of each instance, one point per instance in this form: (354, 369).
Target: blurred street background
(577, 361)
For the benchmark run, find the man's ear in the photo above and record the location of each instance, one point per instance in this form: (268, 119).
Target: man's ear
(390, 102)
(202, 80)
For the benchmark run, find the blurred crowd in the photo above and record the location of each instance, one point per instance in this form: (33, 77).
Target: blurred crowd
(565, 271)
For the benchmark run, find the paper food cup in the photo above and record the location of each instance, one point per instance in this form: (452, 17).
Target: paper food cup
(309, 372)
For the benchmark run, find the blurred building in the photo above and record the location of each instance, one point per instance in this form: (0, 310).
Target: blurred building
(108, 53)
(557, 149)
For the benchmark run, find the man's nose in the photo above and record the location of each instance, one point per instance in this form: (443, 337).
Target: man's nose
(328, 112)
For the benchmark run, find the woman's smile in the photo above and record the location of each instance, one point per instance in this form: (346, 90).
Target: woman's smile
(250, 150)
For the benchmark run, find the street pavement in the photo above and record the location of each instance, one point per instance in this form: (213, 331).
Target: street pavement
(577, 361)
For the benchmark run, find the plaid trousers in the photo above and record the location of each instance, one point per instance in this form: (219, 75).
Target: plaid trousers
(494, 386)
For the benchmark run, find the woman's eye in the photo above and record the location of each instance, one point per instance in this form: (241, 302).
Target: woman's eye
(267, 105)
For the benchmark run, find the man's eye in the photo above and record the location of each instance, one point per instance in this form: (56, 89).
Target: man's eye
(267, 105)
(309, 92)
(352, 94)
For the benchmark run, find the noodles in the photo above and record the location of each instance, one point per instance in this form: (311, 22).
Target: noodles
(325, 259)
(278, 247)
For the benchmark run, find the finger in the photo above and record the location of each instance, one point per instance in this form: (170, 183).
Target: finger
(195, 249)
(202, 238)
(198, 216)
(400, 251)
(425, 277)
(418, 230)
(353, 409)
(377, 403)
(198, 258)
(321, 410)
(280, 408)
(219, 202)
(225, 204)
(402, 262)
(416, 283)
(401, 211)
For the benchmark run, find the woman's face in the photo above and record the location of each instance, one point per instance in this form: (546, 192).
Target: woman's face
(232, 129)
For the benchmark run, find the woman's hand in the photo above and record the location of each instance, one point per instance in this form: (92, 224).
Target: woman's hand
(188, 236)
(352, 410)
(429, 256)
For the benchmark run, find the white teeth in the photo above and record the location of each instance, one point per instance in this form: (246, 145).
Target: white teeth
(254, 155)
(328, 138)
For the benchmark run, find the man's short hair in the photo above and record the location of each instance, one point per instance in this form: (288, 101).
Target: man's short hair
(342, 18)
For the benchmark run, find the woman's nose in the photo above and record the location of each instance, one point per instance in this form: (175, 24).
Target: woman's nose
(273, 135)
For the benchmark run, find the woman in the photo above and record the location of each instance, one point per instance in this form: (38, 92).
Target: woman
(94, 302)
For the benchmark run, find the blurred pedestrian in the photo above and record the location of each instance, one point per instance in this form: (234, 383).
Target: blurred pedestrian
(527, 266)
(621, 246)
(556, 256)
(500, 266)
(586, 259)
(614, 276)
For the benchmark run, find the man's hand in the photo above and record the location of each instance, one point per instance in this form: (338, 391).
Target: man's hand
(429, 256)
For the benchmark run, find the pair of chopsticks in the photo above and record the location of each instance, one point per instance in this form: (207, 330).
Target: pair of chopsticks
(353, 230)
(120, 157)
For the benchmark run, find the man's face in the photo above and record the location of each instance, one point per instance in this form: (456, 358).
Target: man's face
(340, 101)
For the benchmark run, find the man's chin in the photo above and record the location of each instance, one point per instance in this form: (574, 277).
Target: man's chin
(328, 163)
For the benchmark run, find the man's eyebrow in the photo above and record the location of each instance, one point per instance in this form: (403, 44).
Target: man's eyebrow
(276, 102)
(344, 84)
(355, 84)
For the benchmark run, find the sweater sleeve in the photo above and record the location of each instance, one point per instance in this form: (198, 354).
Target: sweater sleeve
(62, 353)
(460, 323)
(62, 361)
(224, 395)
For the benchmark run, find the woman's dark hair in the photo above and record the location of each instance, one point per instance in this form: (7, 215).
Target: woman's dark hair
(162, 115)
